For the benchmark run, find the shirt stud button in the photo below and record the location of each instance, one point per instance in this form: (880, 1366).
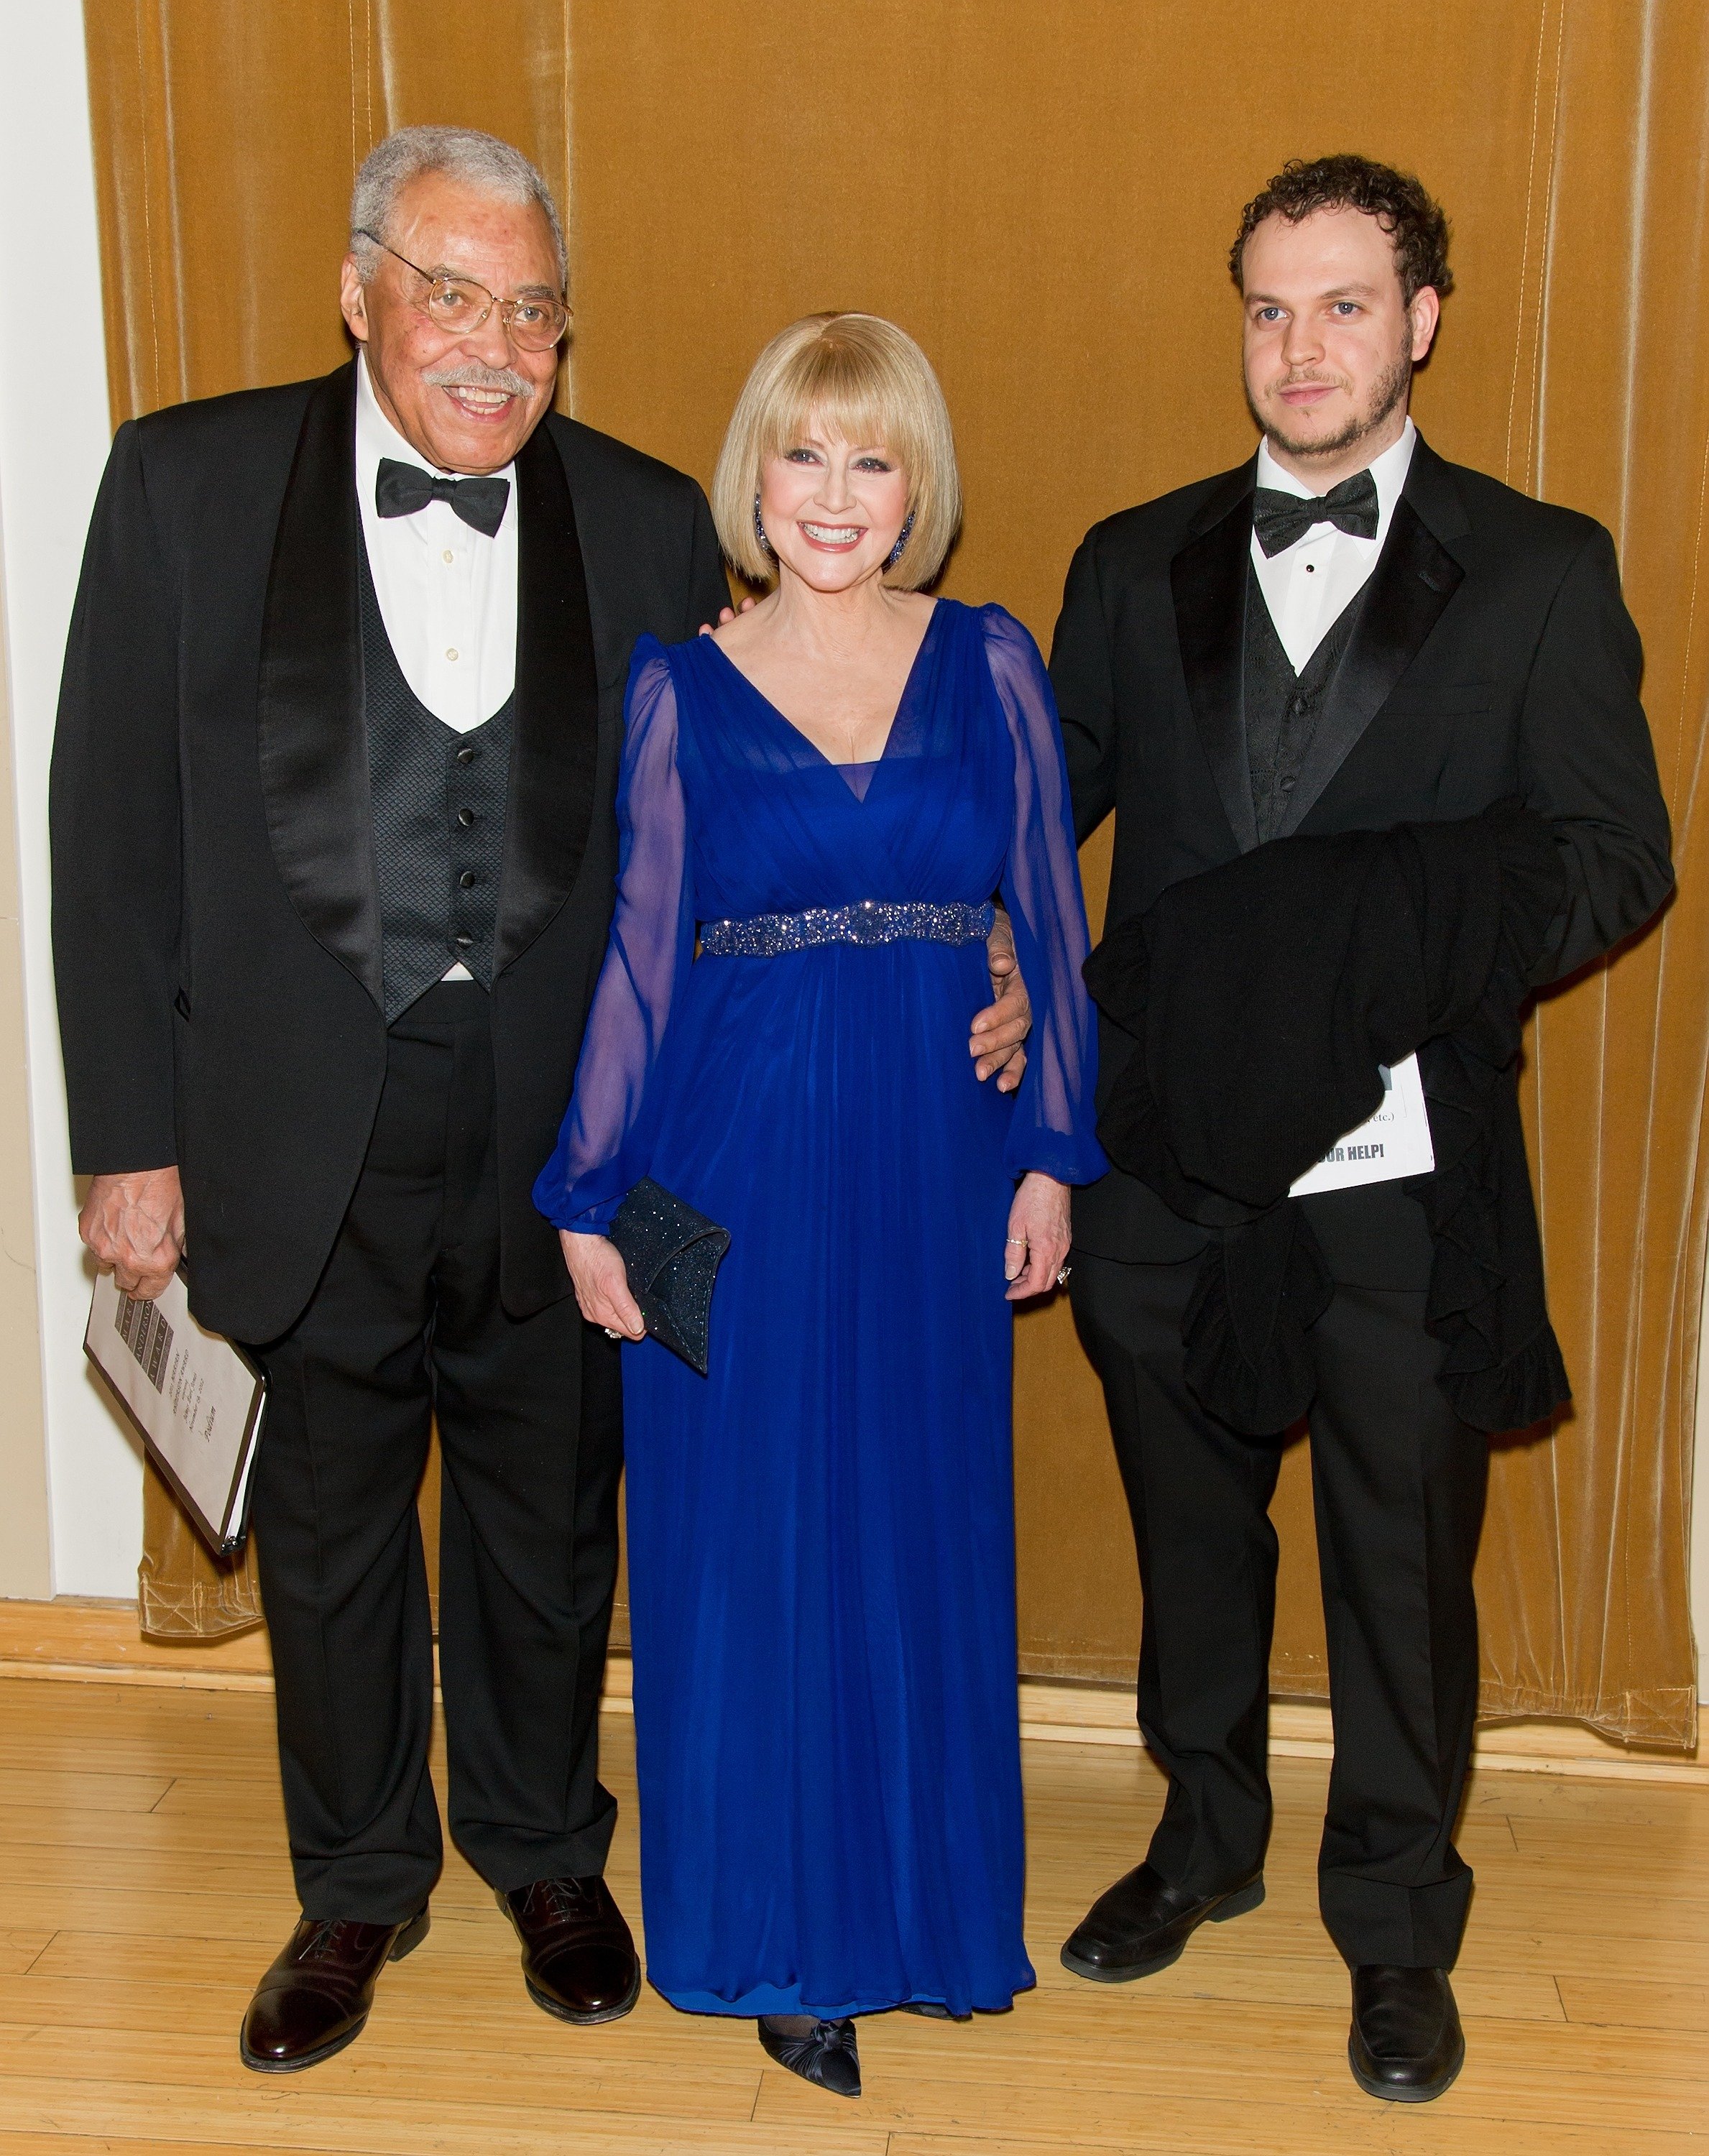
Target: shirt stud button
(450, 654)
(448, 556)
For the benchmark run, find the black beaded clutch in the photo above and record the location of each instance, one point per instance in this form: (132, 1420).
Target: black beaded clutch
(672, 1254)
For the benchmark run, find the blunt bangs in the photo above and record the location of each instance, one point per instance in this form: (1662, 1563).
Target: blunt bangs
(861, 379)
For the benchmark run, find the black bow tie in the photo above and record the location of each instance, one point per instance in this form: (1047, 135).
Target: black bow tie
(401, 490)
(1279, 519)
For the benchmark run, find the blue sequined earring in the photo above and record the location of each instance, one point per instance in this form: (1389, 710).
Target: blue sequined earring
(895, 553)
(759, 530)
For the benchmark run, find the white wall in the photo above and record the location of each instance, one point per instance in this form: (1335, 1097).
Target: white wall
(53, 438)
(1700, 1510)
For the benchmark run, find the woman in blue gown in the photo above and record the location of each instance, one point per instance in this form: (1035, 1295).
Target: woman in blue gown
(821, 1530)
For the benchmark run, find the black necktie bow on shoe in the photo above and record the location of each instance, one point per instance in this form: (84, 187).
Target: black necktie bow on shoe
(1279, 519)
(401, 490)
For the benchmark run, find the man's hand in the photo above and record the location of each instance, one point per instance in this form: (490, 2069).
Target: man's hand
(728, 613)
(602, 1284)
(1001, 1027)
(135, 1225)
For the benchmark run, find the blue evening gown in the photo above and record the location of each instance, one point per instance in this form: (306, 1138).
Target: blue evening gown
(821, 1532)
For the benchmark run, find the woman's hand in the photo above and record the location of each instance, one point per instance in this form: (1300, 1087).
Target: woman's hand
(1037, 1249)
(601, 1283)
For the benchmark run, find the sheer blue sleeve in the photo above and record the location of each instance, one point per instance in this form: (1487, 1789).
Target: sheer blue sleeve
(1053, 1129)
(606, 1141)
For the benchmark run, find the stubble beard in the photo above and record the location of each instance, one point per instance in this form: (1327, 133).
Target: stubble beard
(1386, 397)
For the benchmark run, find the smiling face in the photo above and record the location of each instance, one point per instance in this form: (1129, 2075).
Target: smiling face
(465, 401)
(833, 510)
(1330, 340)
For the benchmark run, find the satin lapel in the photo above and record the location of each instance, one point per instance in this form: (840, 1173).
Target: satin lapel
(1209, 581)
(1410, 586)
(555, 748)
(312, 739)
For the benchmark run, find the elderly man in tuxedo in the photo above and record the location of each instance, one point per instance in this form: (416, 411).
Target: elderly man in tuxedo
(334, 848)
(1346, 634)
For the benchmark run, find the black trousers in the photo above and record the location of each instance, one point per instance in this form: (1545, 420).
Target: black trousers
(406, 1326)
(1399, 1485)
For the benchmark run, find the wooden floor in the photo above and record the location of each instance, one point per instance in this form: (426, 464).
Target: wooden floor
(143, 1886)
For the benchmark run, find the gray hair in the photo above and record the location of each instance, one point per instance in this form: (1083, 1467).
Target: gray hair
(478, 160)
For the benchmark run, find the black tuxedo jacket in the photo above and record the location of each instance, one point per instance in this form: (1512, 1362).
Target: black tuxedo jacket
(216, 925)
(1492, 656)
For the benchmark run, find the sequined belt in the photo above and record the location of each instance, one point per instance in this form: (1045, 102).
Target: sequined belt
(873, 920)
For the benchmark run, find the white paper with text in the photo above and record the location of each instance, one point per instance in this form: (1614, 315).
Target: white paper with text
(1395, 1141)
(197, 1402)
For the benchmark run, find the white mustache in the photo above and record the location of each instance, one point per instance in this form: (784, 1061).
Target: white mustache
(472, 374)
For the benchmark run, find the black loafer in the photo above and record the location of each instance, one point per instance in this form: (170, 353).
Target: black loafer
(825, 2055)
(1142, 1924)
(1405, 2045)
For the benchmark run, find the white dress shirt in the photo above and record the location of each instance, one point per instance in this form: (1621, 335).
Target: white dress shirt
(1308, 586)
(447, 592)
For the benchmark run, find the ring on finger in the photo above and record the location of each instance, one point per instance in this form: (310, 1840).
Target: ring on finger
(610, 1334)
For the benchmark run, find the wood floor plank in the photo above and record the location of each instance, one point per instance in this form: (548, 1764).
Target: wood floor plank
(1286, 2130)
(1635, 2003)
(568, 2079)
(20, 1949)
(144, 1885)
(104, 2145)
(270, 2117)
(52, 1788)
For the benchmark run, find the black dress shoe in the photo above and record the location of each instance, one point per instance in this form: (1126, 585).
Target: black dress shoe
(578, 1956)
(1405, 2043)
(315, 1998)
(823, 2052)
(1142, 1923)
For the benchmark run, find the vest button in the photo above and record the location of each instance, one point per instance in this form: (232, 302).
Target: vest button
(467, 755)
(468, 879)
(1297, 708)
(463, 942)
(465, 817)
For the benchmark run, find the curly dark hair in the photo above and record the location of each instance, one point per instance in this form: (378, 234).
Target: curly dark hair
(1412, 220)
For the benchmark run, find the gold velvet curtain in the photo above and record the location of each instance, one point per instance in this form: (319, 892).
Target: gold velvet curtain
(1045, 195)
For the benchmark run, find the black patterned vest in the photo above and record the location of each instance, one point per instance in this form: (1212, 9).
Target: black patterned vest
(1282, 708)
(438, 802)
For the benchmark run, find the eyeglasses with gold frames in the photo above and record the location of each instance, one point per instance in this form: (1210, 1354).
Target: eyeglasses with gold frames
(459, 305)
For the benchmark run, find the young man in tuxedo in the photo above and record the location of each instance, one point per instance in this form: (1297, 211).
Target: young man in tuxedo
(334, 850)
(1345, 634)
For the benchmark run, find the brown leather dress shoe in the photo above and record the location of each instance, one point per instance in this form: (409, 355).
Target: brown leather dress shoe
(315, 1997)
(578, 1958)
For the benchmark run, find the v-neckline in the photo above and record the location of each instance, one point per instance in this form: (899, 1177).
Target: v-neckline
(874, 764)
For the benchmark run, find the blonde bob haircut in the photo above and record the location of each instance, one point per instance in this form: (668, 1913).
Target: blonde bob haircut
(861, 379)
